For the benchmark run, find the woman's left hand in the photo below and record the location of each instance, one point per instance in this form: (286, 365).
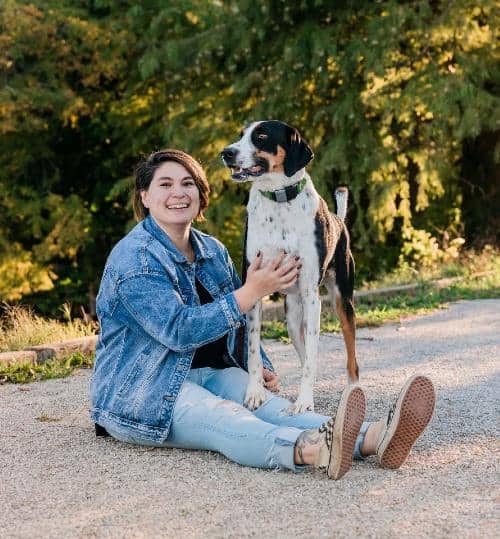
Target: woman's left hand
(271, 380)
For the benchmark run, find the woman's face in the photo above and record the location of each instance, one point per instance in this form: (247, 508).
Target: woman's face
(173, 198)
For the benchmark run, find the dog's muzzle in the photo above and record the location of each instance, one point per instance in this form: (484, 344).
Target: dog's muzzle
(238, 173)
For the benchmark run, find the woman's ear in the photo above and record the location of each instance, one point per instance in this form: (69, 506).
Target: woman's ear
(298, 153)
(144, 198)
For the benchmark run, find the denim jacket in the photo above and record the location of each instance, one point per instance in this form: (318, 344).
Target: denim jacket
(152, 322)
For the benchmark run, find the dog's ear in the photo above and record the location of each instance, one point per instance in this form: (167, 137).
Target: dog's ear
(298, 152)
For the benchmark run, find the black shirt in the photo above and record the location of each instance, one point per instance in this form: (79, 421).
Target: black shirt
(214, 354)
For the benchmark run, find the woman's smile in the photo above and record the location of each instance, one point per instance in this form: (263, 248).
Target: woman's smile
(177, 206)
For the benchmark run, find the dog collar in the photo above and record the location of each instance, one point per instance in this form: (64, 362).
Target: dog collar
(287, 193)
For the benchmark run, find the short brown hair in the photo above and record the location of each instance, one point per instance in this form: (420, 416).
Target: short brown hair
(145, 171)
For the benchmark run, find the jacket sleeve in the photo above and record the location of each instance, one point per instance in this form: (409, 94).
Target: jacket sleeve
(153, 303)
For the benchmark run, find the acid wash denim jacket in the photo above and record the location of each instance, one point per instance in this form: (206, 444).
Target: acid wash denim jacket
(152, 322)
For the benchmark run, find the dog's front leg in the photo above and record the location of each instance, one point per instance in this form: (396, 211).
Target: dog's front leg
(312, 313)
(256, 393)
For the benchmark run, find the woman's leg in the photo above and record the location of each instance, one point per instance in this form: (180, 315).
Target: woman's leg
(231, 384)
(202, 420)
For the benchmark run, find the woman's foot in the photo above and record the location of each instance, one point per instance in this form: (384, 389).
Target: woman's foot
(392, 439)
(331, 446)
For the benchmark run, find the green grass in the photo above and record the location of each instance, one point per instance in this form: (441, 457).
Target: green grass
(425, 299)
(25, 372)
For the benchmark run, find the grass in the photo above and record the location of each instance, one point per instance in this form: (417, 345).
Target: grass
(25, 372)
(469, 262)
(21, 328)
(426, 298)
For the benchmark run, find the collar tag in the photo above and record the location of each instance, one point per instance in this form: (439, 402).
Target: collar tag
(280, 195)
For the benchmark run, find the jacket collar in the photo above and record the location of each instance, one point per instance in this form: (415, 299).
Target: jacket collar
(200, 249)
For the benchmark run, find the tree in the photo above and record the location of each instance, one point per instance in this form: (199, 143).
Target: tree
(61, 76)
(396, 98)
(387, 93)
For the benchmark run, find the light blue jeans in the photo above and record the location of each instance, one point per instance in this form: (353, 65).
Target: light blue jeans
(209, 414)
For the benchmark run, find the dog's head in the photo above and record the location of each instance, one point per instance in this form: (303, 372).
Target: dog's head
(265, 148)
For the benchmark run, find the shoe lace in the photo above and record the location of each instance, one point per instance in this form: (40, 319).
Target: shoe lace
(327, 430)
(390, 415)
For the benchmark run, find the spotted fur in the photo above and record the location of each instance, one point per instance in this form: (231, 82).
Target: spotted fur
(273, 155)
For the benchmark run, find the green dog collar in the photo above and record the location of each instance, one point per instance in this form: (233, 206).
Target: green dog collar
(287, 193)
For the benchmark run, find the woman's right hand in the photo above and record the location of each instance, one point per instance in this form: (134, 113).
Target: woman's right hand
(264, 279)
(273, 276)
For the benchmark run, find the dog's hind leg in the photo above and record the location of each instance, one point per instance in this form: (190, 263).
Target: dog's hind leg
(295, 324)
(256, 393)
(342, 294)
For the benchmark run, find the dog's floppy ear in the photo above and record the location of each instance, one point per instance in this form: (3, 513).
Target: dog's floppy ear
(298, 152)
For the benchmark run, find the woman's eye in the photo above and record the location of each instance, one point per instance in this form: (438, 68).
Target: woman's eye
(262, 136)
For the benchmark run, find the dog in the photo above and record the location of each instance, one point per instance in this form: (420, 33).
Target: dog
(285, 212)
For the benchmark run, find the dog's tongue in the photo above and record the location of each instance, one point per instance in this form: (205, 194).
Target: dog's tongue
(256, 168)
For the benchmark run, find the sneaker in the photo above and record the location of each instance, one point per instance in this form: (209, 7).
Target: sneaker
(340, 433)
(406, 421)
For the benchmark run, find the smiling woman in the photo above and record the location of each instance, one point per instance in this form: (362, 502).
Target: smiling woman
(172, 187)
(153, 169)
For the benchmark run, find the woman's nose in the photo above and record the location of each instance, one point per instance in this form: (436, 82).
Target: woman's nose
(178, 191)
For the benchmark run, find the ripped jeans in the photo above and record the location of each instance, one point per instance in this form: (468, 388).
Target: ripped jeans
(209, 414)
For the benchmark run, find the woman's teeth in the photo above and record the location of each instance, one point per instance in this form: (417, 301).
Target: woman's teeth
(177, 206)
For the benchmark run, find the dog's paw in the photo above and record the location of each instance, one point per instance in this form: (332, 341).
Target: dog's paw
(301, 406)
(255, 397)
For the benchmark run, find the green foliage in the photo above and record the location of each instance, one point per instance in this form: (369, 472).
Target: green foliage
(398, 99)
(387, 93)
(26, 372)
(60, 76)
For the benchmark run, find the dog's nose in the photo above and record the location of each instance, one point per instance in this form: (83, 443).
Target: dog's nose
(228, 154)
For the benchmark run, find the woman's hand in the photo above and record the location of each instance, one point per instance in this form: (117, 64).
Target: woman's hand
(266, 279)
(271, 380)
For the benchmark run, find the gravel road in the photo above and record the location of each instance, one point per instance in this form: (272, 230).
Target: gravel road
(58, 480)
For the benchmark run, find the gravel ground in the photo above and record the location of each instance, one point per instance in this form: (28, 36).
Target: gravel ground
(58, 480)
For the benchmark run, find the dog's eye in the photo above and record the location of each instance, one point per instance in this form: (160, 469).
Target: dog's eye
(262, 136)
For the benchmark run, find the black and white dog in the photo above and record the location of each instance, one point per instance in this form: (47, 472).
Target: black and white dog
(286, 213)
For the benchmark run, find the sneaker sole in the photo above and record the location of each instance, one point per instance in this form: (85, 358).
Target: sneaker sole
(413, 413)
(348, 421)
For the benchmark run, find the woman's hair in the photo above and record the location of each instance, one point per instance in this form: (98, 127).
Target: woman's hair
(146, 169)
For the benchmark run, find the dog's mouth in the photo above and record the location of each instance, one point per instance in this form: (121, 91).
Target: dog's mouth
(241, 174)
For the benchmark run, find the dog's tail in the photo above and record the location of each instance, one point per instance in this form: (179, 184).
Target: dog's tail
(341, 196)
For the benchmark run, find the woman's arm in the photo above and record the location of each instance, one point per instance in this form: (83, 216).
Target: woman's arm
(153, 303)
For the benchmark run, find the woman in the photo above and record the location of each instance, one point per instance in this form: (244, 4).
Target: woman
(171, 357)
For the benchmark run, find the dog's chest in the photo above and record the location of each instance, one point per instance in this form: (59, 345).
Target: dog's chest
(289, 226)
